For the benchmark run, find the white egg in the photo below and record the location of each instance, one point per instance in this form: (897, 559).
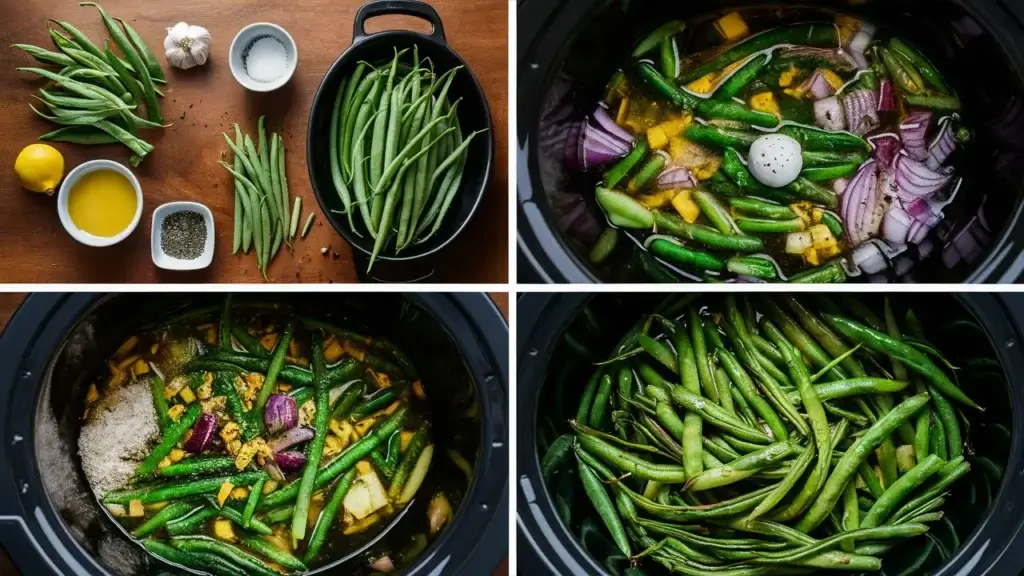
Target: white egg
(775, 160)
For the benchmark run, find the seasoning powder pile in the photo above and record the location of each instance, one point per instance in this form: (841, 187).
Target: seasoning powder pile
(183, 235)
(266, 60)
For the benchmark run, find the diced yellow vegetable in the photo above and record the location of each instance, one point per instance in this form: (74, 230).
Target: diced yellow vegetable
(284, 387)
(406, 438)
(126, 347)
(224, 492)
(269, 341)
(165, 462)
(788, 76)
(832, 78)
(708, 169)
(704, 84)
(332, 445)
(353, 350)
(765, 102)
(391, 409)
(92, 395)
(239, 493)
(658, 199)
(293, 349)
(135, 509)
(417, 389)
(364, 425)
(230, 431)
(732, 26)
(383, 380)
(333, 351)
(801, 209)
(811, 257)
(656, 138)
(140, 367)
(847, 27)
(211, 335)
(127, 362)
(153, 349)
(175, 411)
(222, 529)
(363, 467)
(270, 486)
(360, 525)
(676, 148)
(620, 118)
(684, 204)
(187, 395)
(822, 238)
(816, 215)
(176, 455)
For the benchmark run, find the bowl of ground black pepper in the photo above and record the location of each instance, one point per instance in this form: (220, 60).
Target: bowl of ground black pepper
(182, 236)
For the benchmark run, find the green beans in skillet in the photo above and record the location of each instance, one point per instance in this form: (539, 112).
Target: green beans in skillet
(774, 474)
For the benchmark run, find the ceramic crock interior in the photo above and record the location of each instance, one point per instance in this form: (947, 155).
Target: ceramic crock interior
(946, 321)
(976, 65)
(451, 393)
(473, 115)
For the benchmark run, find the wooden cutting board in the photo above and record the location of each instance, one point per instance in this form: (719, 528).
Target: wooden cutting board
(204, 102)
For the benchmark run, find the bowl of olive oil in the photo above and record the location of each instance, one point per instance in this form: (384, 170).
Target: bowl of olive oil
(100, 203)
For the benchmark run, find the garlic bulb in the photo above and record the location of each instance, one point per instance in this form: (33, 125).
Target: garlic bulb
(187, 46)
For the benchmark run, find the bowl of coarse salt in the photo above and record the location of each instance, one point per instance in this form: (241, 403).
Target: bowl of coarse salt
(263, 57)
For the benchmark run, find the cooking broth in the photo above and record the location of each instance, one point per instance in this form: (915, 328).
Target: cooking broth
(377, 527)
(758, 124)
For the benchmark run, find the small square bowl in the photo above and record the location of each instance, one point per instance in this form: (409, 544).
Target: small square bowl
(166, 262)
(243, 42)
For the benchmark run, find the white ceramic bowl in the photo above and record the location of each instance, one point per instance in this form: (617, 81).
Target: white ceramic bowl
(65, 191)
(169, 262)
(240, 50)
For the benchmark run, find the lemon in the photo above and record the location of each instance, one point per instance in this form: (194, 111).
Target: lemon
(40, 168)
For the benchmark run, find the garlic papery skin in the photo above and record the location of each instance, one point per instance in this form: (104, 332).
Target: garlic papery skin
(187, 46)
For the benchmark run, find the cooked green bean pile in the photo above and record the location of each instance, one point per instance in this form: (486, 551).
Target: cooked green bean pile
(98, 94)
(229, 488)
(767, 435)
(263, 217)
(397, 151)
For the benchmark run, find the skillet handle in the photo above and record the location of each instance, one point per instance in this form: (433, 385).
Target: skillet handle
(404, 7)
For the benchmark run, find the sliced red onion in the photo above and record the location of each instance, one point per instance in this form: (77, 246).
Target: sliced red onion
(290, 461)
(859, 59)
(604, 120)
(291, 438)
(274, 471)
(383, 564)
(916, 179)
(896, 226)
(817, 85)
(914, 132)
(943, 146)
(887, 184)
(573, 146)
(886, 147)
(861, 111)
(862, 39)
(859, 198)
(202, 434)
(886, 97)
(870, 258)
(675, 177)
(828, 114)
(281, 413)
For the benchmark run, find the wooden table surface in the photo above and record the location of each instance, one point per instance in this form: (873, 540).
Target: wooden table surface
(10, 301)
(204, 102)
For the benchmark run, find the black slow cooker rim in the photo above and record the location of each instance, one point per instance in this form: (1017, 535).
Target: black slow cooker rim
(321, 101)
(551, 256)
(546, 543)
(37, 539)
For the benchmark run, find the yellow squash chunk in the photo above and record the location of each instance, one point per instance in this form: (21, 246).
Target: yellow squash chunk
(391, 409)
(847, 27)
(832, 78)
(240, 493)
(788, 76)
(269, 341)
(135, 509)
(811, 257)
(623, 113)
(383, 380)
(366, 496)
(187, 395)
(332, 445)
(175, 411)
(92, 395)
(685, 206)
(230, 432)
(224, 492)
(406, 438)
(822, 238)
(140, 367)
(364, 467)
(293, 349)
(708, 169)
(222, 529)
(765, 102)
(211, 335)
(353, 350)
(732, 26)
(364, 425)
(658, 199)
(214, 405)
(165, 462)
(656, 138)
(417, 389)
(284, 387)
(127, 362)
(333, 351)
(704, 84)
(270, 486)
(676, 148)
(176, 455)
(360, 525)
(126, 347)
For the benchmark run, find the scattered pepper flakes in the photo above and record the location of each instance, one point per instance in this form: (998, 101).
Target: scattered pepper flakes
(175, 411)
(135, 509)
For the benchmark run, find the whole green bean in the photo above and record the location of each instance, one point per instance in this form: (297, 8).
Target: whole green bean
(719, 137)
(739, 79)
(724, 110)
(746, 388)
(700, 353)
(900, 490)
(802, 34)
(692, 423)
(198, 560)
(170, 512)
(647, 173)
(250, 563)
(193, 522)
(158, 493)
(762, 208)
(174, 433)
(741, 468)
(315, 448)
(715, 212)
(673, 251)
(627, 462)
(623, 167)
(602, 401)
(235, 516)
(595, 491)
(326, 518)
(785, 486)
(848, 464)
(762, 226)
(198, 465)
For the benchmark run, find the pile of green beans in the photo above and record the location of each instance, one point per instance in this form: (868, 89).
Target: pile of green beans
(179, 531)
(98, 95)
(766, 434)
(265, 217)
(397, 151)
